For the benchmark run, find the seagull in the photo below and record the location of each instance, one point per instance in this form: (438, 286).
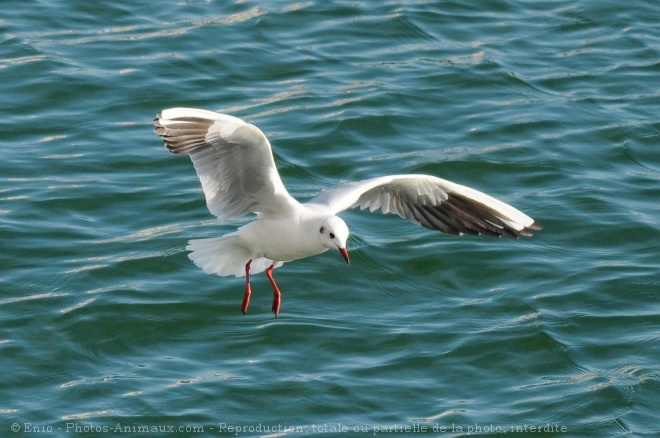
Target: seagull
(235, 165)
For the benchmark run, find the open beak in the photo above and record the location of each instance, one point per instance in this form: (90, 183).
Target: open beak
(344, 254)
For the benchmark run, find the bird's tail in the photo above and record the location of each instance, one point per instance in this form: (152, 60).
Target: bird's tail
(225, 256)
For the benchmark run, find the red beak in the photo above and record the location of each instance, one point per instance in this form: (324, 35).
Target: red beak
(344, 254)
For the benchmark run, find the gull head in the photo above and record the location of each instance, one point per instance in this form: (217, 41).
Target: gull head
(333, 233)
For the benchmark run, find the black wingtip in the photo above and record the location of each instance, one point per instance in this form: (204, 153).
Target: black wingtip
(535, 226)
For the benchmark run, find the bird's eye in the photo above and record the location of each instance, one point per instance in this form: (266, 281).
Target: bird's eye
(321, 230)
(332, 235)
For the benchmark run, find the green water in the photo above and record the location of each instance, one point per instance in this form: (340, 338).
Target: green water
(106, 327)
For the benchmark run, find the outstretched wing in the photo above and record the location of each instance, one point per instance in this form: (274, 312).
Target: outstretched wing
(233, 160)
(434, 203)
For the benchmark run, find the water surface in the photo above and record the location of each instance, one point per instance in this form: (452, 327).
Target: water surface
(550, 106)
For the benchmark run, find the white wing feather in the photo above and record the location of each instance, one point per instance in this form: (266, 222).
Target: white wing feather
(432, 202)
(233, 160)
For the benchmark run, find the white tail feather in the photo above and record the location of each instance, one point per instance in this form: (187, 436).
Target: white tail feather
(223, 256)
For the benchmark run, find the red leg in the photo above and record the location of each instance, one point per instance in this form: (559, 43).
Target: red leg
(248, 291)
(277, 295)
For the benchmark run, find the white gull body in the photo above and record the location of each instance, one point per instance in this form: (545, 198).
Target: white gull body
(235, 165)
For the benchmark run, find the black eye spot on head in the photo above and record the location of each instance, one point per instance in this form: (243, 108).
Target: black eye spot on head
(332, 235)
(321, 230)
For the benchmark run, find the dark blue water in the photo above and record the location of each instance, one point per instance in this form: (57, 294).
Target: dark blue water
(107, 327)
